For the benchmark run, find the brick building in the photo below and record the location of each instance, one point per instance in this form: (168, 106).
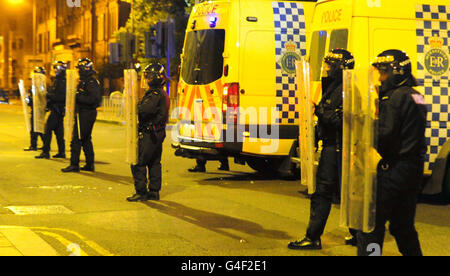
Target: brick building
(60, 32)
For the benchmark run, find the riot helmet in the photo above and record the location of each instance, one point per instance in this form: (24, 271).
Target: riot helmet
(60, 68)
(396, 65)
(336, 61)
(155, 75)
(85, 67)
(39, 70)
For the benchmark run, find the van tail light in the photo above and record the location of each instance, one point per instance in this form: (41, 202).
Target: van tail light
(230, 102)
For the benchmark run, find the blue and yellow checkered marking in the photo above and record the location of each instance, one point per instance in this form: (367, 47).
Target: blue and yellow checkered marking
(431, 22)
(289, 21)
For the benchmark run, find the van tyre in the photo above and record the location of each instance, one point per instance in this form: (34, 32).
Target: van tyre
(262, 166)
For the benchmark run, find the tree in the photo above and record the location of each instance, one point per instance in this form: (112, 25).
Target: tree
(149, 12)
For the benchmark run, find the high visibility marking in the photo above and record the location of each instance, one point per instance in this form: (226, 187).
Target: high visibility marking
(433, 52)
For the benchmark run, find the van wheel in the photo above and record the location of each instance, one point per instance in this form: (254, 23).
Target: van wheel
(263, 166)
(286, 167)
(294, 168)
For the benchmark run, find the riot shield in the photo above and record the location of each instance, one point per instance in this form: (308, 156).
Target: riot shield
(358, 192)
(23, 97)
(39, 89)
(71, 90)
(131, 90)
(306, 127)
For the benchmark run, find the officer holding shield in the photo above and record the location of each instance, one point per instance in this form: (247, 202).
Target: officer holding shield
(88, 98)
(152, 117)
(400, 140)
(328, 177)
(56, 100)
(33, 134)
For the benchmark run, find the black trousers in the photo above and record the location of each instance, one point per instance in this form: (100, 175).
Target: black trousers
(150, 152)
(55, 123)
(327, 184)
(86, 120)
(397, 195)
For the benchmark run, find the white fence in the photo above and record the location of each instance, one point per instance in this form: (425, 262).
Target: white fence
(112, 109)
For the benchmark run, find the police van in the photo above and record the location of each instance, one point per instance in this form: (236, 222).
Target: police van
(237, 92)
(420, 28)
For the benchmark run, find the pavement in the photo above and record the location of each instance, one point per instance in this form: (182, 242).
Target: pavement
(44, 212)
(21, 241)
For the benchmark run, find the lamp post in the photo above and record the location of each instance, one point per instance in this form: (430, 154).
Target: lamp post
(131, 66)
(34, 28)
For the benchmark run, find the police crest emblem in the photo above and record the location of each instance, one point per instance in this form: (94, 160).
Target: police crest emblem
(290, 55)
(436, 58)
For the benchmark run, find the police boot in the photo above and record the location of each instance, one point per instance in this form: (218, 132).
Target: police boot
(60, 155)
(305, 244)
(87, 167)
(71, 168)
(153, 195)
(31, 149)
(44, 155)
(197, 169)
(137, 197)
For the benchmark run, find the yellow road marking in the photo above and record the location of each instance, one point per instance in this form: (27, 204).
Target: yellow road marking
(93, 245)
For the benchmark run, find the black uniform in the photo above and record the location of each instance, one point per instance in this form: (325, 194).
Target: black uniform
(87, 101)
(402, 146)
(33, 135)
(328, 177)
(56, 102)
(152, 112)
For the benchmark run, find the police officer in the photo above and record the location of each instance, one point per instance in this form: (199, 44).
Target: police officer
(152, 116)
(400, 140)
(34, 135)
(88, 98)
(328, 177)
(56, 102)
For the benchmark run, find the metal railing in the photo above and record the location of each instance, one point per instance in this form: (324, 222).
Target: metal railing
(112, 109)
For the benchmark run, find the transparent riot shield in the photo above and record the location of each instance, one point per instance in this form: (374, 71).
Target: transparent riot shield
(23, 97)
(306, 127)
(358, 192)
(131, 90)
(71, 90)
(39, 89)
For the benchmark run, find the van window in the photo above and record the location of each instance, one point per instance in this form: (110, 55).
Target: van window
(203, 56)
(338, 39)
(317, 53)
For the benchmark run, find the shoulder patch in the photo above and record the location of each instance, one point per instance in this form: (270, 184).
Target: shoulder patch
(418, 99)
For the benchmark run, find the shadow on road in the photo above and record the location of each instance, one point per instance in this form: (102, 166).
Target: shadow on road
(119, 179)
(215, 222)
(254, 182)
(64, 160)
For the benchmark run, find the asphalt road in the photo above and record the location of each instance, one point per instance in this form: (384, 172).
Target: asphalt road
(236, 213)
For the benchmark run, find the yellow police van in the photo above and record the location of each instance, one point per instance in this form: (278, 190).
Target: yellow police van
(421, 28)
(237, 92)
